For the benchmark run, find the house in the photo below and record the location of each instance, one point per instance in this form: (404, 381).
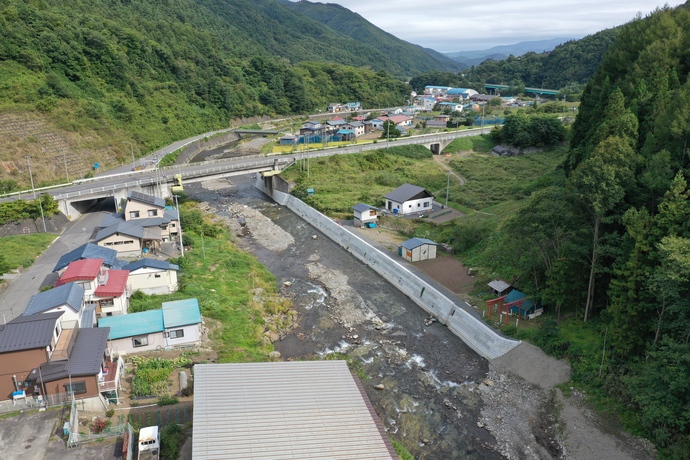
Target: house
(317, 408)
(335, 124)
(439, 121)
(346, 134)
(482, 97)
(42, 355)
(417, 249)
(364, 214)
(288, 139)
(334, 108)
(519, 304)
(356, 127)
(90, 251)
(68, 298)
(500, 287)
(453, 106)
(140, 205)
(104, 289)
(129, 238)
(176, 323)
(377, 123)
(311, 128)
(152, 276)
(395, 111)
(352, 106)
(408, 199)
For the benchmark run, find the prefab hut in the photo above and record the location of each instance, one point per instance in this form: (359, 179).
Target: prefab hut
(364, 214)
(416, 249)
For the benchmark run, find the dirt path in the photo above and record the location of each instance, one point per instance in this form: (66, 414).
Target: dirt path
(444, 162)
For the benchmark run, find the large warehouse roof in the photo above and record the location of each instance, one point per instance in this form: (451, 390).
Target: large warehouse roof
(284, 410)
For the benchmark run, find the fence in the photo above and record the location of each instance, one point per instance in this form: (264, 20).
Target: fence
(473, 331)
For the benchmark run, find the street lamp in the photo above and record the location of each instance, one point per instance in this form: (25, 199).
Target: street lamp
(33, 190)
(134, 163)
(179, 225)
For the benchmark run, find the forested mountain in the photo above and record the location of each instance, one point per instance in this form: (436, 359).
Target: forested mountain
(406, 55)
(573, 62)
(610, 243)
(155, 71)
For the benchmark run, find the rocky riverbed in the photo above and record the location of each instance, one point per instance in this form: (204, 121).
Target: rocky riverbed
(432, 392)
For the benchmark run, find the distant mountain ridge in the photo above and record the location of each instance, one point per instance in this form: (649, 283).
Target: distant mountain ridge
(497, 53)
(406, 55)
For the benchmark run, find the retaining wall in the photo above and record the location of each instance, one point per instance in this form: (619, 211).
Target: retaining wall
(474, 332)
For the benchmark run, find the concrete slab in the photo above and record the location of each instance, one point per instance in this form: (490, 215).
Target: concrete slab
(26, 435)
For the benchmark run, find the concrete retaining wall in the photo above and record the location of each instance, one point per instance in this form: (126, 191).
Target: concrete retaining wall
(473, 331)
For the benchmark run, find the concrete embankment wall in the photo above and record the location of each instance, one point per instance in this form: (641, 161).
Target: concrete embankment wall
(473, 331)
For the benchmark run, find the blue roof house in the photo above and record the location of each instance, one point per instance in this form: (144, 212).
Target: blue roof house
(177, 323)
(68, 298)
(519, 304)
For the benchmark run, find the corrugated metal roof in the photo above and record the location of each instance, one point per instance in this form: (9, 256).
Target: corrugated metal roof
(129, 228)
(498, 285)
(81, 270)
(89, 251)
(416, 242)
(133, 324)
(285, 410)
(27, 332)
(361, 207)
(115, 286)
(70, 294)
(85, 359)
(181, 313)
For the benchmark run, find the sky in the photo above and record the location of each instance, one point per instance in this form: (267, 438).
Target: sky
(464, 25)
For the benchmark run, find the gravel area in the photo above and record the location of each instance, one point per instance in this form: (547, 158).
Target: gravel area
(521, 408)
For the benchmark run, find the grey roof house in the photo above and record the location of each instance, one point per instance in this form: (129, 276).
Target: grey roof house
(409, 199)
(90, 251)
(68, 298)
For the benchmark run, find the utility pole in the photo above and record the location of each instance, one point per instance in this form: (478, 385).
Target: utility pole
(447, 186)
(388, 136)
(179, 226)
(33, 190)
(484, 104)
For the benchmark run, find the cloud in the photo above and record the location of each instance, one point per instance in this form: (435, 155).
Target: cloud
(467, 25)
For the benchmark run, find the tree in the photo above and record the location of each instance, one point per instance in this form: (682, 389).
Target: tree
(390, 129)
(599, 183)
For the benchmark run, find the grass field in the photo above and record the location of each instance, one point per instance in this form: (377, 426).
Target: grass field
(233, 288)
(22, 250)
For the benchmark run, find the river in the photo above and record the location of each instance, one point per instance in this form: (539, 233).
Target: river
(430, 397)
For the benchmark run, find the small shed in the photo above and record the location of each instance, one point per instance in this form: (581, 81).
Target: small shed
(500, 287)
(416, 249)
(364, 214)
(518, 303)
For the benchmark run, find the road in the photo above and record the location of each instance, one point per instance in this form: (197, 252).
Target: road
(15, 298)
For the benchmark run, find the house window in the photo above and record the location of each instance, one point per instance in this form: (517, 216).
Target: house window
(153, 212)
(426, 204)
(157, 275)
(419, 204)
(76, 388)
(176, 334)
(133, 214)
(141, 341)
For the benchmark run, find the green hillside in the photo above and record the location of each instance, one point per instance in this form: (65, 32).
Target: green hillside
(79, 79)
(573, 62)
(405, 55)
(608, 247)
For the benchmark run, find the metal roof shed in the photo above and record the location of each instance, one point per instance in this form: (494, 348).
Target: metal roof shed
(302, 410)
(416, 249)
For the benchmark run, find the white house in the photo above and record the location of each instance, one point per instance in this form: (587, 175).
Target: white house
(409, 199)
(364, 214)
(417, 249)
(356, 126)
(152, 276)
(176, 323)
(68, 298)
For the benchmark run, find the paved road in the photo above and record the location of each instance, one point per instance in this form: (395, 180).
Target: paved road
(15, 298)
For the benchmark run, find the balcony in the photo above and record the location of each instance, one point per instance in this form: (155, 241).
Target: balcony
(65, 343)
(111, 378)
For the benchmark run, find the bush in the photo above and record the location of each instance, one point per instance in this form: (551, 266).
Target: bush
(167, 400)
(170, 442)
(109, 413)
(98, 426)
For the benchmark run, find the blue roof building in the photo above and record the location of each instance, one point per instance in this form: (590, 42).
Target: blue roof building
(90, 251)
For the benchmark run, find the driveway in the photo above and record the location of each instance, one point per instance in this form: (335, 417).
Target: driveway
(15, 298)
(26, 436)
